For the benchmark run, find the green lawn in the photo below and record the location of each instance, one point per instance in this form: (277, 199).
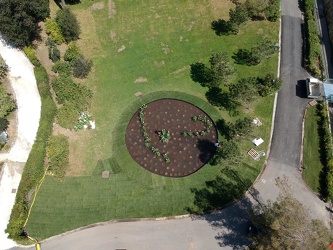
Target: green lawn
(311, 154)
(159, 41)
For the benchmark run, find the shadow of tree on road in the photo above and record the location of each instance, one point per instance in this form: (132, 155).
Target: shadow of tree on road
(233, 221)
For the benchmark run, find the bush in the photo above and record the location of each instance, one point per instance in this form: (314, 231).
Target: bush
(3, 68)
(81, 67)
(67, 90)
(30, 53)
(67, 115)
(272, 12)
(57, 152)
(54, 54)
(62, 68)
(68, 24)
(3, 124)
(7, 104)
(72, 52)
(54, 31)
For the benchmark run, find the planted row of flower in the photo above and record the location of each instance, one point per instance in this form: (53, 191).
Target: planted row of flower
(164, 155)
(163, 135)
(208, 124)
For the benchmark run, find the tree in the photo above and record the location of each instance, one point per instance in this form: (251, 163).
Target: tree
(227, 153)
(223, 27)
(220, 71)
(268, 84)
(264, 48)
(239, 15)
(255, 8)
(19, 20)
(243, 126)
(7, 104)
(245, 89)
(217, 97)
(68, 24)
(286, 224)
(221, 68)
(246, 57)
(81, 67)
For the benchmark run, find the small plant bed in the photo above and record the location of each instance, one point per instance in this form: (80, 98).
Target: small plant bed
(155, 137)
(208, 124)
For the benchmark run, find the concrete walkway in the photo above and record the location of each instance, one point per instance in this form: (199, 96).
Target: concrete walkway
(23, 83)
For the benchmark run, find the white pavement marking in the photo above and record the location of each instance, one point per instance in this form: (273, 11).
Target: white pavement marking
(23, 82)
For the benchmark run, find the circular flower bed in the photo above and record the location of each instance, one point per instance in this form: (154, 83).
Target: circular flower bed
(171, 137)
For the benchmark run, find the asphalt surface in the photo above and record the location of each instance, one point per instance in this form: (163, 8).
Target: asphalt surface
(227, 229)
(284, 159)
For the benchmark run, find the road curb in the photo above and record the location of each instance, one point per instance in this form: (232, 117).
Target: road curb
(113, 222)
(273, 116)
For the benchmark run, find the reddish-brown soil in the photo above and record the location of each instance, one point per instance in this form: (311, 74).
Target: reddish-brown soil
(186, 154)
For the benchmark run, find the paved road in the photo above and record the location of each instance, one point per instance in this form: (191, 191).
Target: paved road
(227, 228)
(284, 158)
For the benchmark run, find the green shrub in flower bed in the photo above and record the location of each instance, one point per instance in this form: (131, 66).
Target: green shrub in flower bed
(163, 134)
(208, 124)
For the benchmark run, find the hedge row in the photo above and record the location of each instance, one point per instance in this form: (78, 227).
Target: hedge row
(34, 167)
(326, 178)
(313, 50)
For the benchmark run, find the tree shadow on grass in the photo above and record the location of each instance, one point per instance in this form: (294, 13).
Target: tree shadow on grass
(233, 221)
(223, 128)
(218, 98)
(219, 192)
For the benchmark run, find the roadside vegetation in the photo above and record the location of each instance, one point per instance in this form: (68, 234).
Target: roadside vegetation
(313, 60)
(289, 220)
(34, 167)
(318, 159)
(7, 103)
(152, 52)
(312, 164)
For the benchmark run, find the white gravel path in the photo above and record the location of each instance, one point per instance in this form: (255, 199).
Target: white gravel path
(23, 82)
